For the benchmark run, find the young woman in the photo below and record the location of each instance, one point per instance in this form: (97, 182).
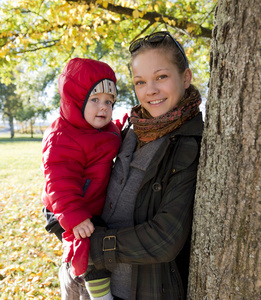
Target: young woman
(150, 195)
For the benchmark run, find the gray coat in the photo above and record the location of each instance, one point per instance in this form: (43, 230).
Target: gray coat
(155, 245)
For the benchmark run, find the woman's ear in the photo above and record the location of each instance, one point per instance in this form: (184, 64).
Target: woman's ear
(187, 78)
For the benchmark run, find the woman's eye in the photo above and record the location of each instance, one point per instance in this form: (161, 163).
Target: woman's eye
(139, 82)
(162, 77)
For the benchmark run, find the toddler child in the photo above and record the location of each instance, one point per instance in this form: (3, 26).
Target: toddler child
(78, 150)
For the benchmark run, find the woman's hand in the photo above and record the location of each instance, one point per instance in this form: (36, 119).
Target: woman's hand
(84, 229)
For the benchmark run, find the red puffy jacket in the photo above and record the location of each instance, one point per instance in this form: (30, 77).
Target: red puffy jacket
(77, 158)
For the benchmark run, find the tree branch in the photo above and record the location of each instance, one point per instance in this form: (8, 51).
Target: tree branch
(143, 30)
(45, 45)
(153, 17)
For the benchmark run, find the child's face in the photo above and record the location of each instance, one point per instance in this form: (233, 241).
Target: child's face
(98, 110)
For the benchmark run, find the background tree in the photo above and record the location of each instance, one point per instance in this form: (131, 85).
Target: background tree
(31, 88)
(10, 103)
(29, 112)
(225, 261)
(27, 99)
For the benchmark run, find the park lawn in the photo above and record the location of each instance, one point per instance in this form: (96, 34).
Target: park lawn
(29, 257)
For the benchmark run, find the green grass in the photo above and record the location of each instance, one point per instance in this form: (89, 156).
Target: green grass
(29, 257)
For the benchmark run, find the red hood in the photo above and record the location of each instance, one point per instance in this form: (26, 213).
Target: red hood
(76, 80)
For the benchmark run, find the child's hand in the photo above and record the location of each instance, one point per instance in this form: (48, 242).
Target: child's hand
(121, 123)
(83, 230)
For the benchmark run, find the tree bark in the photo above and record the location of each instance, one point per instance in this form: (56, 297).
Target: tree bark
(225, 258)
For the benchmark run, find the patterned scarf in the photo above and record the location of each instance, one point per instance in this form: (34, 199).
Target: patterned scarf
(149, 129)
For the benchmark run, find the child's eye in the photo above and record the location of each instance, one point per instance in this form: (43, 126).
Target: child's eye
(109, 102)
(94, 99)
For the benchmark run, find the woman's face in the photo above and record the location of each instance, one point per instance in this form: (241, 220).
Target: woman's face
(158, 84)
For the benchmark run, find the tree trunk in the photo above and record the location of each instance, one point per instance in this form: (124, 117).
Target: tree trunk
(225, 258)
(11, 124)
(31, 127)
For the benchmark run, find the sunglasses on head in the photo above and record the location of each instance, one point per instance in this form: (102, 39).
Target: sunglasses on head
(156, 37)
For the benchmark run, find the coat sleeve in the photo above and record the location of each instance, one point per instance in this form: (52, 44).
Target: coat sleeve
(161, 237)
(63, 166)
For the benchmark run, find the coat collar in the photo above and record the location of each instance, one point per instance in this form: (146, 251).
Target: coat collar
(193, 127)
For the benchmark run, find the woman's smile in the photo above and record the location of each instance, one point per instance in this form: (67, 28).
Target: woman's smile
(153, 102)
